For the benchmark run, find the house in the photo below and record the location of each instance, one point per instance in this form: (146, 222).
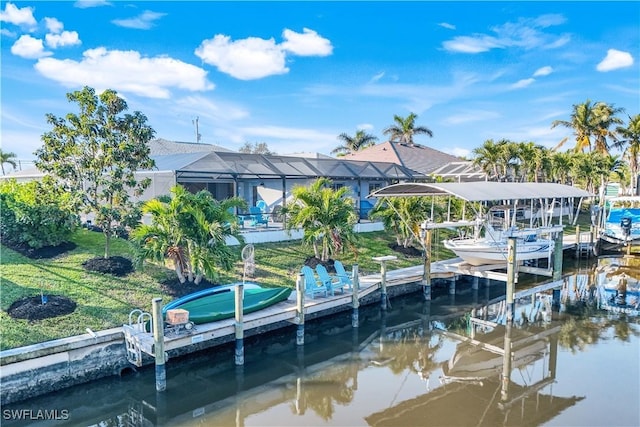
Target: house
(423, 160)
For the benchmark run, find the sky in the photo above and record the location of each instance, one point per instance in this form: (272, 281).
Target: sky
(295, 75)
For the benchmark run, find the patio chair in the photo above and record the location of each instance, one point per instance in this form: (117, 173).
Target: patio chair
(342, 274)
(257, 217)
(311, 285)
(331, 283)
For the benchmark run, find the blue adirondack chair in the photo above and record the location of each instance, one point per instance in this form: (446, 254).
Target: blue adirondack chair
(342, 274)
(331, 283)
(257, 217)
(311, 285)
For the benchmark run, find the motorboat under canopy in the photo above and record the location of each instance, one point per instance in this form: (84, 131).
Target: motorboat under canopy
(481, 191)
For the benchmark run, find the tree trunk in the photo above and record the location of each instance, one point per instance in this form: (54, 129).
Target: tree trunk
(107, 243)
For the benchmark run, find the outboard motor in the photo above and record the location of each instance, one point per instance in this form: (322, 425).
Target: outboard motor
(625, 224)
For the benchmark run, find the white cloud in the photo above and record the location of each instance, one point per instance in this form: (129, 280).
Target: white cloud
(525, 33)
(476, 44)
(85, 4)
(309, 43)
(125, 71)
(144, 21)
(523, 83)
(53, 25)
(29, 47)
(8, 33)
(365, 126)
(544, 71)
(246, 59)
(447, 26)
(66, 38)
(377, 77)
(615, 59)
(21, 17)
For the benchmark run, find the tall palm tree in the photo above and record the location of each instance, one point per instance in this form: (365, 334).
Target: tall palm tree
(582, 124)
(604, 117)
(405, 128)
(631, 145)
(357, 142)
(8, 158)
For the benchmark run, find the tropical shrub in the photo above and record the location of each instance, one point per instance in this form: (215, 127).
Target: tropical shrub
(189, 231)
(326, 216)
(33, 215)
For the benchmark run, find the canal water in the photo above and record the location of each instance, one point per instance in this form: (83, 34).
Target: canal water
(571, 357)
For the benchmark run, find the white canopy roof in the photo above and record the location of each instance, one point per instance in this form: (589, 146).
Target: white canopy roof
(483, 190)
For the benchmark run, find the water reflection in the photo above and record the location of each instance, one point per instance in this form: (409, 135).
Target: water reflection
(447, 362)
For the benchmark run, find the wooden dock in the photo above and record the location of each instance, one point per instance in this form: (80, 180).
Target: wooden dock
(141, 341)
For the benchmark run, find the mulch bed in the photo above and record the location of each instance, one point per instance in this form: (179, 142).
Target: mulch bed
(46, 252)
(409, 251)
(176, 289)
(32, 308)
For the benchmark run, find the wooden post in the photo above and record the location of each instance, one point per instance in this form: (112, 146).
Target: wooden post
(238, 324)
(426, 276)
(383, 281)
(557, 257)
(300, 310)
(511, 277)
(355, 301)
(158, 340)
(578, 242)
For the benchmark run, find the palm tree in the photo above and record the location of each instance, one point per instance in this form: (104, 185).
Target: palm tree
(561, 165)
(326, 215)
(581, 122)
(357, 142)
(604, 116)
(7, 158)
(591, 120)
(405, 128)
(631, 145)
(190, 230)
(488, 158)
(402, 216)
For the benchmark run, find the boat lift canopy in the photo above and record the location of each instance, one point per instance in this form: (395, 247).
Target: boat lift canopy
(482, 191)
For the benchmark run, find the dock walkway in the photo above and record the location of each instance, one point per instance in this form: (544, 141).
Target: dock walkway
(143, 342)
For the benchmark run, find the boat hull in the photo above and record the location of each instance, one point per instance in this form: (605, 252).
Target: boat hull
(481, 252)
(213, 306)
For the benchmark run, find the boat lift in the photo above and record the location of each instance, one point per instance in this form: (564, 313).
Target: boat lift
(484, 192)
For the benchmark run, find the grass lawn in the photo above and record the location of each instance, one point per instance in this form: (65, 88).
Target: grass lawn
(105, 301)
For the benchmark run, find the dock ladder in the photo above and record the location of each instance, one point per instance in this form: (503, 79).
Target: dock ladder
(132, 331)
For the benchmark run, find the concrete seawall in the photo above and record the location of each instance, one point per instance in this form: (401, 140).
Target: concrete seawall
(42, 368)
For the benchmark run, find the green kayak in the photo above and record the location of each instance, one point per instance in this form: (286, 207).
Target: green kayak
(221, 305)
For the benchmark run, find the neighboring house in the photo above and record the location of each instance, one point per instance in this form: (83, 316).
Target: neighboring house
(425, 161)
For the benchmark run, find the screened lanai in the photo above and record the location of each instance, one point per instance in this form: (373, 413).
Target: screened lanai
(269, 179)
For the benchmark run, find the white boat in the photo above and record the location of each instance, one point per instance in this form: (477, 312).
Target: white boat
(621, 227)
(492, 247)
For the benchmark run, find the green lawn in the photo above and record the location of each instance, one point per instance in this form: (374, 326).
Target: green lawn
(105, 301)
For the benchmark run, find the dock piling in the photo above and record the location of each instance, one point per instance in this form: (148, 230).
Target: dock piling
(557, 257)
(300, 310)
(355, 301)
(426, 259)
(239, 329)
(158, 341)
(384, 300)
